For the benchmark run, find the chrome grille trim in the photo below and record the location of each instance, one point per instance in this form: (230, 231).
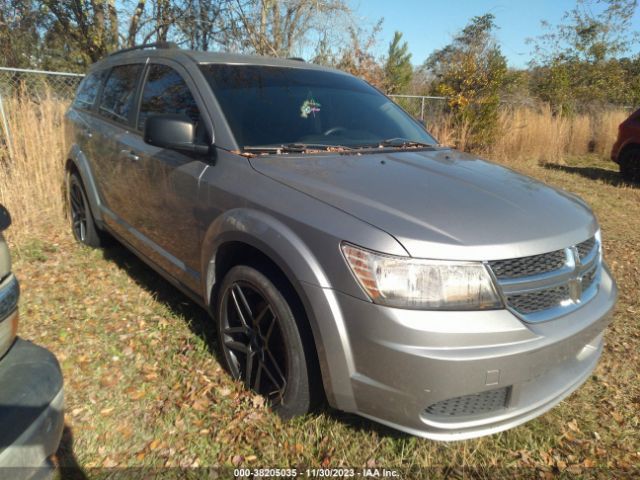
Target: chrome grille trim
(552, 293)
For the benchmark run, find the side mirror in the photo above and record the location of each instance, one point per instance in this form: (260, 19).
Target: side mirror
(174, 132)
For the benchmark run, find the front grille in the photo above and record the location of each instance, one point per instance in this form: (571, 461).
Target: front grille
(527, 266)
(470, 405)
(541, 287)
(539, 300)
(585, 248)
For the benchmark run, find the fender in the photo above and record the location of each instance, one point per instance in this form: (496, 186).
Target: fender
(77, 157)
(289, 252)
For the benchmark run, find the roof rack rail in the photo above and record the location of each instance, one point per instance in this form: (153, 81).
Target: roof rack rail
(297, 59)
(158, 45)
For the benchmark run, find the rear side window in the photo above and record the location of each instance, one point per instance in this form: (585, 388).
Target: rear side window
(119, 92)
(88, 90)
(166, 92)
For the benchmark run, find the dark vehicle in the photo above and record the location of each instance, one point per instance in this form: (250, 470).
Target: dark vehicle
(339, 249)
(626, 150)
(31, 394)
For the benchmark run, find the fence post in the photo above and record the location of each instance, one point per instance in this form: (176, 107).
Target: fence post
(5, 127)
(422, 111)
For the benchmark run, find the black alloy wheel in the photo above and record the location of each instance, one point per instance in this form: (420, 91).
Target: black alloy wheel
(261, 340)
(78, 212)
(83, 226)
(253, 341)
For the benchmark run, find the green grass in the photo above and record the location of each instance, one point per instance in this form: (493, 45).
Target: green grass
(144, 386)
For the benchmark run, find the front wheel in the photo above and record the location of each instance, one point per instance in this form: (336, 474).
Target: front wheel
(261, 343)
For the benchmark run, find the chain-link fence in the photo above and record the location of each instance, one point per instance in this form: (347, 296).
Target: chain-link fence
(427, 109)
(33, 84)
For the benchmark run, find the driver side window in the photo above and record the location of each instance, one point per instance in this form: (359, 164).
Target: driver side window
(165, 91)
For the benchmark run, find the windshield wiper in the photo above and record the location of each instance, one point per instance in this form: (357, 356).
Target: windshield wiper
(397, 142)
(294, 148)
(403, 142)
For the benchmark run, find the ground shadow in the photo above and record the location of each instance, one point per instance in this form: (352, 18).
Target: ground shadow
(197, 318)
(202, 325)
(593, 173)
(68, 466)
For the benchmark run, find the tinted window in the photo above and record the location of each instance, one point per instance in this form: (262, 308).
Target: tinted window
(88, 90)
(119, 92)
(276, 105)
(166, 92)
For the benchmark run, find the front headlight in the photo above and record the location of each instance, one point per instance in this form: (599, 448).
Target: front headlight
(407, 282)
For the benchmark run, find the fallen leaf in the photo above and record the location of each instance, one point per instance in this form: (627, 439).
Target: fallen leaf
(617, 417)
(573, 425)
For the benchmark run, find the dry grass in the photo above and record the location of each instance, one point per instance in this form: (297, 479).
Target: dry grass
(31, 180)
(526, 134)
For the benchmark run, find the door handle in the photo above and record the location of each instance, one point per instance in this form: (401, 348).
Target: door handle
(129, 155)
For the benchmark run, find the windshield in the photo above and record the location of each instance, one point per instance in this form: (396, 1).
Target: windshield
(271, 106)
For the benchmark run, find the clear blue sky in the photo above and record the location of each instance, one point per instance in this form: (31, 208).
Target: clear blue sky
(430, 24)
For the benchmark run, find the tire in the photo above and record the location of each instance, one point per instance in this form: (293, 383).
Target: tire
(83, 225)
(630, 164)
(261, 342)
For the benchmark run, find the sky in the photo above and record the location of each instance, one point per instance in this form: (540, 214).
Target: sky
(430, 24)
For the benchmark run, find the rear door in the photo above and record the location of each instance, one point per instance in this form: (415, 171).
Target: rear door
(167, 196)
(113, 163)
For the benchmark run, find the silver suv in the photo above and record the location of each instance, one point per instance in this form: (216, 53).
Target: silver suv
(342, 253)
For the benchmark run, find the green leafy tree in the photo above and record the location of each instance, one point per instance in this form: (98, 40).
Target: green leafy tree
(577, 62)
(398, 70)
(19, 36)
(471, 71)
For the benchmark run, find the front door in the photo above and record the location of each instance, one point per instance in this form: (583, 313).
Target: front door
(167, 198)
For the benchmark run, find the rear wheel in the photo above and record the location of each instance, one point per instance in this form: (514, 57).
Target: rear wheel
(630, 164)
(261, 343)
(82, 223)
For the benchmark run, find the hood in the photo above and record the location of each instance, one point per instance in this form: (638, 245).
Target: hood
(440, 203)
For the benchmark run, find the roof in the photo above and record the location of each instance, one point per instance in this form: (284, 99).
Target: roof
(200, 57)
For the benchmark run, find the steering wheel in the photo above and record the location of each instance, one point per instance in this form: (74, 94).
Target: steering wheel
(334, 130)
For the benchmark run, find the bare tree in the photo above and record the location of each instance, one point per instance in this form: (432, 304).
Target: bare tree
(202, 22)
(277, 27)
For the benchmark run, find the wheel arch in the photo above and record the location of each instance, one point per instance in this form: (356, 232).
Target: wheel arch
(630, 145)
(241, 232)
(77, 163)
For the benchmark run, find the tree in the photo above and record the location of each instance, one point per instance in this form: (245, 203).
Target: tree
(19, 37)
(397, 68)
(357, 57)
(202, 22)
(277, 27)
(588, 33)
(577, 62)
(470, 72)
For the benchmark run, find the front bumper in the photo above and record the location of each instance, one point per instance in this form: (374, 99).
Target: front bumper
(31, 409)
(402, 362)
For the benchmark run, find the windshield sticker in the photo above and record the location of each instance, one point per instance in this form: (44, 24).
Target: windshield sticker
(309, 107)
